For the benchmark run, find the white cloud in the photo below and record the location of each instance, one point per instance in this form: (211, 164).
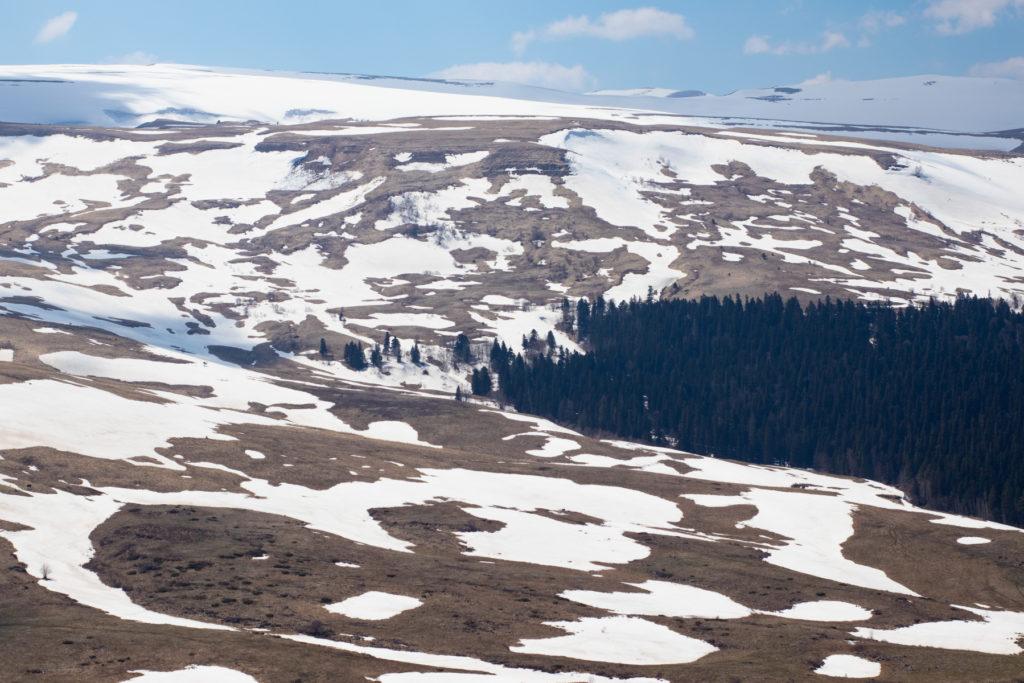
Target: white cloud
(621, 25)
(820, 79)
(544, 74)
(761, 45)
(953, 17)
(877, 20)
(56, 27)
(1008, 68)
(137, 57)
(757, 45)
(831, 40)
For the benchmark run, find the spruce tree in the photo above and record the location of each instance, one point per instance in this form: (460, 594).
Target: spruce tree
(582, 319)
(484, 383)
(396, 349)
(846, 387)
(496, 355)
(376, 358)
(566, 315)
(354, 357)
(461, 351)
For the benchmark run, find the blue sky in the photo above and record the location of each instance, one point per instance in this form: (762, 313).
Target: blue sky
(712, 46)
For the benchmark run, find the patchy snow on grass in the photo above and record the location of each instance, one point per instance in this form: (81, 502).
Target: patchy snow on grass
(338, 203)
(433, 208)
(482, 671)
(824, 610)
(553, 446)
(214, 173)
(663, 598)
(660, 273)
(373, 605)
(450, 161)
(816, 526)
(192, 674)
(57, 195)
(534, 185)
(848, 666)
(56, 546)
(100, 424)
(510, 326)
(389, 320)
(973, 540)
(620, 640)
(995, 633)
(29, 153)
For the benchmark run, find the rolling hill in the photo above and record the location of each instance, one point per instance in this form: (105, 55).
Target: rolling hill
(194, 481)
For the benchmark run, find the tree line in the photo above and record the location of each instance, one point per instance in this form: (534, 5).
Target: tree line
(929, 398)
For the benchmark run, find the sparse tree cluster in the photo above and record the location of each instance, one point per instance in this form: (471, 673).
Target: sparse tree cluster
(354, 356)
(481, 383)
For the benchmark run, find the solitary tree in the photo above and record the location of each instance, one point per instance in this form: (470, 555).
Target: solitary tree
(323, 348)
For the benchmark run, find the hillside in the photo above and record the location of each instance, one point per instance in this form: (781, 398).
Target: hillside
(193, 478)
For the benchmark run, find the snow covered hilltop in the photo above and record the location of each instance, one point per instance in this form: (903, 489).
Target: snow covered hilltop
(193, 477)
(955, 111)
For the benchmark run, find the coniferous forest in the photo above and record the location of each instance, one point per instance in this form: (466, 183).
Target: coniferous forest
(928, 398)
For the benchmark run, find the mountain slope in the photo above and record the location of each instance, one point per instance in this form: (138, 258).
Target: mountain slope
(191, 477)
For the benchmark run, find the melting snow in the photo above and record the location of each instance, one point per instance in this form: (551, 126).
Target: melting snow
(373, 605)
(972, 540)
(621, 640)
(995, 633)
(192, 674)
(848, 666)
(662, 598)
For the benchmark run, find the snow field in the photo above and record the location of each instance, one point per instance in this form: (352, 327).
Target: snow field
(373, 605)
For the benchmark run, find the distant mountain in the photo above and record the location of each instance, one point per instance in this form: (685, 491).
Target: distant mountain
(925, 109)
(645, 92)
